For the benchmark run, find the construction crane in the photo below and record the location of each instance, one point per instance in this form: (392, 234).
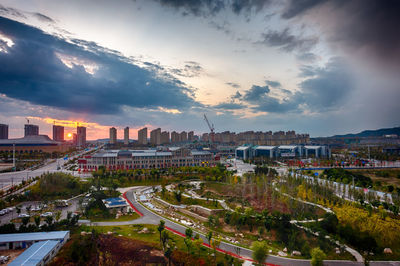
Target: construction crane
(211, 127)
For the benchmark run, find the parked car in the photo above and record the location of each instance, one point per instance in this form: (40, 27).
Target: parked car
(23, 215)
(2, 212)
(46, 214)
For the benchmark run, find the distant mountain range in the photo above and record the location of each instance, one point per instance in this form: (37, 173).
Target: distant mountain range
(372, 133)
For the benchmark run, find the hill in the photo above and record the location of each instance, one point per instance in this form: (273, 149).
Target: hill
(372, 133)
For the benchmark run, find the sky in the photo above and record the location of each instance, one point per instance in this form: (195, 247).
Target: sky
(314, 66)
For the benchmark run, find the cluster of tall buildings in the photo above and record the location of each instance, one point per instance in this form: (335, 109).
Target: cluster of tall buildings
(258, 138)
(157, 136)
(78, 138)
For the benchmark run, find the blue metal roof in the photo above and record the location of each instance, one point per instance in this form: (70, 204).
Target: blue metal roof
(38, 236)
(35, 253)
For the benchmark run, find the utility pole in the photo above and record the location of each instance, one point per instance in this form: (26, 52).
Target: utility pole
(14, 168)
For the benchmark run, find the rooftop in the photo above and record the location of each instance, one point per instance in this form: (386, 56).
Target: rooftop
(35, 253)
(312, 147)
(38, 236)
(32, 139)
(265, 147)
(242, 148)
(291, 147)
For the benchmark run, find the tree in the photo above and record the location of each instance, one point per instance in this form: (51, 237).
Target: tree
(37, 221)
(168, 254)
(49, 220)
(164, 238)
(58, 216)
(189, 233)
(317, 257)
(259, 252)
(161, 227)
(25, 220)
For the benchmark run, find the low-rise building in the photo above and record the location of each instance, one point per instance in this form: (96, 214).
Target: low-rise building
(24, 240)
(38, 254)
(116, 204)
(146, 159)
(33, 143)
(283, 151)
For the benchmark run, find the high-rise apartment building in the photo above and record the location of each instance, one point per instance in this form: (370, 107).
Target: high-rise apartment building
(58, 133)
(74, 139)
(191, 136)
(165, 137)
(155, 136)
(113, 136)
(3, 131)
(31, 130)
(183, 136)
(126, 136)
(175, 137)
(142, 136)
(81, 136)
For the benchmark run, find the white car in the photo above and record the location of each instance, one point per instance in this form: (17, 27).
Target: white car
(23, 215)
(46, 214)
(2, 212)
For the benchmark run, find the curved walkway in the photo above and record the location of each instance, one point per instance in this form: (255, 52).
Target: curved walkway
(150, 217)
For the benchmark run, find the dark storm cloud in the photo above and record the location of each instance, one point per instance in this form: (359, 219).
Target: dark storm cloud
(298, 7)
(286, 41)
(195, 7)
(256, 93)
(31, 70)
(43, 17)
(206, 8)
(229, 106)
(328, 88)
(323, 89)
(369, 26)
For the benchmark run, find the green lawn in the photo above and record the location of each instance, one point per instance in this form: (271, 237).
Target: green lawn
(170, 198)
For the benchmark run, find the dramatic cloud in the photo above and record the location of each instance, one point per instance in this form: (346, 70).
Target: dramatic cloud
(229, 106)
(286, 41)
(207, 8)
(233, 85)
(369, 27)
(273, 83)
(256, 93)
(46, 70)
(327, 88)
(43, 18)
(297, 7)
(191, 69)
(323, 89)
(11, 11)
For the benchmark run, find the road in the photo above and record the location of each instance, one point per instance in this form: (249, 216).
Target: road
(14, 178)
(149, 217)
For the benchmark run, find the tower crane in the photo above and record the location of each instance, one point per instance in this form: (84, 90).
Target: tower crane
(211, 127)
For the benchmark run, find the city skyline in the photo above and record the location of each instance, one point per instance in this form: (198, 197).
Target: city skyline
(317, 67)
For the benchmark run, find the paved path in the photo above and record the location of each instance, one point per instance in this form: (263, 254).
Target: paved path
(149, 217)
(244, 253)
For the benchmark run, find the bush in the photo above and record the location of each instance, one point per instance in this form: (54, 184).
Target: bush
(317, 257)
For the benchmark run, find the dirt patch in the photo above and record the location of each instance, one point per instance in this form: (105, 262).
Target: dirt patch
(13, 253)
